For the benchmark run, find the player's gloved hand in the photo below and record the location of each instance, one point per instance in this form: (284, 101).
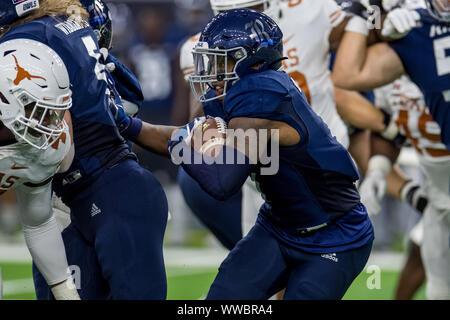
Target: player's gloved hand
(373, 187)
(120, 117)
(129, 127)
(384, 5)
(391, 131)
(415, 195)
(126, 83)
(184, 133)
(399, 22)
(58, 204)
(356, 7)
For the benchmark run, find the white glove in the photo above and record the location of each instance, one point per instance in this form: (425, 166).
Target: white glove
(373, 188)
(399, 22)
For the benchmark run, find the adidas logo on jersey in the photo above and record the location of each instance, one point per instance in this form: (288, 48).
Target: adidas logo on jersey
(95, 210)
(331, 256)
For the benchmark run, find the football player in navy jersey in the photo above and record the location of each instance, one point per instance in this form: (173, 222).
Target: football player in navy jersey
(313, 236)
(118, 246)
(420, 50)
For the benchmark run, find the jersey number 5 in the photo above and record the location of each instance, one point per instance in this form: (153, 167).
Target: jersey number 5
(442, 55)
(8, 183)
(95, 53)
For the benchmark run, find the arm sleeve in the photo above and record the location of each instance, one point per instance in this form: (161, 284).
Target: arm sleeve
(41, 232)
(222, 176)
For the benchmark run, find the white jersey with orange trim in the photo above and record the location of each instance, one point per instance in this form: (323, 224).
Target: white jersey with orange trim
(306, 26)
(21, 163)
(186, 58)
(405, 102)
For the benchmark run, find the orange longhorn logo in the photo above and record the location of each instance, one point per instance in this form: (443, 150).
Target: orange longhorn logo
(55, 144)
(22, 74)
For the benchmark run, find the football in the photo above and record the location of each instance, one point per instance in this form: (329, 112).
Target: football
(209, 138)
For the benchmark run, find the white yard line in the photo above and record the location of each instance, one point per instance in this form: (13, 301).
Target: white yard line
(14, 253)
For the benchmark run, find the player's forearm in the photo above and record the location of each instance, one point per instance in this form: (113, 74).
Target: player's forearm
(395, 181)
(219, 179)
(350, 58)
(155, 138)
(43, 238)
(358, 111)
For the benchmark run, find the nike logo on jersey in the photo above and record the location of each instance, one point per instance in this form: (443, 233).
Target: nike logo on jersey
(16, 167)
(288, 39)
(22, 74)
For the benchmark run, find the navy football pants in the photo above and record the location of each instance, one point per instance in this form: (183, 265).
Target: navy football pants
(117, 244)
(259, 266)
(222, 218)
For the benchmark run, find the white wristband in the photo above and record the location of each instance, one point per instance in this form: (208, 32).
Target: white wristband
(65, 290)
(379, 163)
(358, 25)
(391, 131)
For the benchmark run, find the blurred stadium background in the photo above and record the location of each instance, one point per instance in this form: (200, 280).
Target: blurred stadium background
(147, 38)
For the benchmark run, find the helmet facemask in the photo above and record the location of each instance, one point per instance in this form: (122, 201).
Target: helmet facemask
(39, 123)
(439, 9)
(214, 67)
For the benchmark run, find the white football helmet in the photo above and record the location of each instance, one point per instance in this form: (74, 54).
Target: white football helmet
(34, 92)
(271, 7)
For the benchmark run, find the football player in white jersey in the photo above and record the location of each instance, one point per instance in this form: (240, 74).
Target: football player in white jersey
(35, 143)
(404, 100)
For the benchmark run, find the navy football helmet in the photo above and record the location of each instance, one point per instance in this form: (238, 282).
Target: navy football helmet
(100, 21)
(230, 47)
(11, 10)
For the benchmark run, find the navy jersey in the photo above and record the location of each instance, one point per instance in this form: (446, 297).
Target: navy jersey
(315, 183)
(98, 144)
(425, 54)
